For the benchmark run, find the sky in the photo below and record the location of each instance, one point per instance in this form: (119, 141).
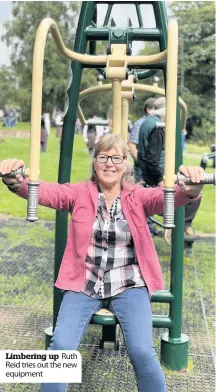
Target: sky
(120, 15)
(5, 14)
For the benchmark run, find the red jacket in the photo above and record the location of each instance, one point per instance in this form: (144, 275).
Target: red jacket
(81, 200)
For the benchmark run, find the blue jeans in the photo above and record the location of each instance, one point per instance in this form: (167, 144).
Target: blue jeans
(133, 310)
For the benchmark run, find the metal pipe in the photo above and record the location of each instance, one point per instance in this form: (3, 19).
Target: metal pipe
(23, 171)
(209, 178)
(171, 94)
(116, 106)
(81, 116)
(145, 74)
(124, 123)
(135, 86)
(134, 34)
(162, 296)
(139, 14)
(93, 90)
(49, 24)
(109, 9)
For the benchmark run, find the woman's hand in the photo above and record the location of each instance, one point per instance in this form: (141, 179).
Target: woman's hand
(6, 167)
(196, 173)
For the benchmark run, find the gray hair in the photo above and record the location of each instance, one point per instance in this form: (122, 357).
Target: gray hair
(159, 108)
(105, 143)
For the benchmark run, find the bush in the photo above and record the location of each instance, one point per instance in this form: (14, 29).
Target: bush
(204, 135)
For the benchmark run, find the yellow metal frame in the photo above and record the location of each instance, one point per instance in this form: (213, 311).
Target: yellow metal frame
(127, 95)
(116, 70)
(136, 87)
(171, 102)
(116, 66)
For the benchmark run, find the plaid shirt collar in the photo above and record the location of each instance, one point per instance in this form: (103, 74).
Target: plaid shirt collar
(93, 189)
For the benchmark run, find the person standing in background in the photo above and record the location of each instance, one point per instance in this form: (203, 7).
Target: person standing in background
(134, 137)
(59, 124)
(45, 130)
(151, 159)
(133, 146)
(44, 136)
(92, 132)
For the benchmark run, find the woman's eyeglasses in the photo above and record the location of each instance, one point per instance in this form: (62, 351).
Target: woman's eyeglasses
(116, 159)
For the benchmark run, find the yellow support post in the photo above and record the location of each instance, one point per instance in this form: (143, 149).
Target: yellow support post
(127, 96)
(170, 133)
(116, 106)
(171, 94)
(125, 111)
(116, 71)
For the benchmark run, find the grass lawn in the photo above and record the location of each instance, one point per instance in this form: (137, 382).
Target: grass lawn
(21, 126)
(194, 148)
(205, 217)
(14, 206)
(19, 148)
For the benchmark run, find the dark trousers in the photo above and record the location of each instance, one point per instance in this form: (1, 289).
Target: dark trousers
(191, 210)
(43, 146)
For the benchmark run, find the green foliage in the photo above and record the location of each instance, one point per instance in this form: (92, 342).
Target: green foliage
(196, 21)
(150, 48)
(96, 103)
(20, 35)
(137, 106)
(204, 134)
(7, 87)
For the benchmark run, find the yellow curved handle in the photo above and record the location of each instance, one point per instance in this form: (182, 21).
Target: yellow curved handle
(45, 26)
(151, 59)
(49, 24)
(93, 90)
(137, 87)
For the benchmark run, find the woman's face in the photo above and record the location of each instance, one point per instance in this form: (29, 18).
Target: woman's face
(110, 173)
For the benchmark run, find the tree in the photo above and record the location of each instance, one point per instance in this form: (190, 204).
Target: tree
(7, 87)
(136, 107)
(20, 35)
(96, 103)
(196, 21)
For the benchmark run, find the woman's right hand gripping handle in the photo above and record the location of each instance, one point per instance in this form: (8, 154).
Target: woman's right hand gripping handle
(8, 165)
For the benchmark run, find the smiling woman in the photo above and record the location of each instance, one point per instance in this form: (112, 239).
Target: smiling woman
(109, 253)
(110, 167)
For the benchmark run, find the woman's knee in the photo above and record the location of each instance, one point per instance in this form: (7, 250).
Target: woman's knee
(60, 342)
(141, 355)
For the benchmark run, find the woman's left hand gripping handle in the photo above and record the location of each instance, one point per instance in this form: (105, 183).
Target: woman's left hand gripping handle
(6, 167)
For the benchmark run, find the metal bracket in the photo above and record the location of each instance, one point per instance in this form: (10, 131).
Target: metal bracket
(116, 67)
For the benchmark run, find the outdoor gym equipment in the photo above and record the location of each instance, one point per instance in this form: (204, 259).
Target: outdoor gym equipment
(118, 63)
(116, 70)
(128, 92)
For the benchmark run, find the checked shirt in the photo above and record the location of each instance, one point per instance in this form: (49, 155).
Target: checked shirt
(111, 263)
